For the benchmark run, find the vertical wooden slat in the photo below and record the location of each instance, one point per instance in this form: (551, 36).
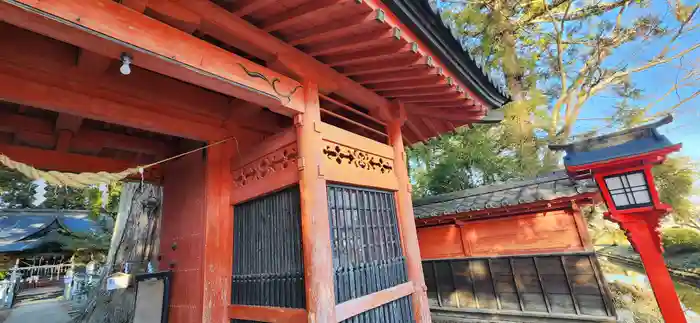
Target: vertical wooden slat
(493, 283)
(437, 284)
(605, 292)
(454, 282)
(515, 284)
(571, 288)
(315, 226)
(544, 292)
(471, 278)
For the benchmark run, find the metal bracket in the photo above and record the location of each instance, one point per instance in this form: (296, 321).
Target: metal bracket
(317, 128)
(301, 163)
(298, 120)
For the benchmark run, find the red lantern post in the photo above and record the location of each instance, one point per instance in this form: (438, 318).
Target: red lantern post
(621, 165)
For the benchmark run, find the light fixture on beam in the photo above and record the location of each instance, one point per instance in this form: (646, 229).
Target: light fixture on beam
(125, 69)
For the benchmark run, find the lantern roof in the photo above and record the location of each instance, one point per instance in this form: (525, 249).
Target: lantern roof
(622, 144)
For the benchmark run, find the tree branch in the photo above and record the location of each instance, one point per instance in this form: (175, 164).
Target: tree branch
(656, 62)
(585, 12)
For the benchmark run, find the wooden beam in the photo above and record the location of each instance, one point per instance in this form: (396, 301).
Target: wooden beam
(92, 63)
(63, 140)
(267, 314)
(155, 46)
(293, 58)
(83, 139)
(346, 310)
(68, 122)
(24, 86)
(68, 162)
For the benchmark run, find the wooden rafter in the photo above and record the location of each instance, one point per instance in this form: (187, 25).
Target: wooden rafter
(401, 64)
(410, 74)
(362, 22)
(246, 7)
(295, 59)
(296, 15)
(441, 89)
(429, 82)
(355, 42)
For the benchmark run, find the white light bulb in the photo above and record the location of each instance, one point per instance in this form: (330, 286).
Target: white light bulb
(125, 69)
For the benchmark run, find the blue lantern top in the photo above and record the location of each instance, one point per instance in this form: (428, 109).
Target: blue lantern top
(626, 143)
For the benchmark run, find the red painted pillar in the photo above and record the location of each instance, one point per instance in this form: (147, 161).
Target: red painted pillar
(407, 224)
(218, 234)
(315, 224)
(644, 238)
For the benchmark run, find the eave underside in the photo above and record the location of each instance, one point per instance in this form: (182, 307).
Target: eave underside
(360, 53)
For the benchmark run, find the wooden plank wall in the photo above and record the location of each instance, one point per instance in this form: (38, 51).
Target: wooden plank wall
(551, 285)
(554, 231)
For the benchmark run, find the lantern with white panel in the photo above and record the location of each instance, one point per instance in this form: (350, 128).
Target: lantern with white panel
(621, 165)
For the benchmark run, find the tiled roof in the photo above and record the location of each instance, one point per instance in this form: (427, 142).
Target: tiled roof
(546, 188)
(18, 225)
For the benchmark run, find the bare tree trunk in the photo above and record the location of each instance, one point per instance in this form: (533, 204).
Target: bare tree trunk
(134, 241)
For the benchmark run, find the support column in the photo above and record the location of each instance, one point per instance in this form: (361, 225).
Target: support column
(218, 233)
(640, 232)
(315, 225)
(406, 219)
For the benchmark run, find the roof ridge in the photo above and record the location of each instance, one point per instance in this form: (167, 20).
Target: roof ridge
(492, 188)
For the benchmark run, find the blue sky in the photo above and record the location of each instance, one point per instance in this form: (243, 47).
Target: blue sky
(655, 82)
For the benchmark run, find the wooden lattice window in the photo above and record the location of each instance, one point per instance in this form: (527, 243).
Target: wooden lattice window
(367, 252)
(267, 258)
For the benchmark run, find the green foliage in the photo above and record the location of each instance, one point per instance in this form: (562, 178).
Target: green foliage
(16, 191)
(681, 240)
(64, 197)
(468, 158)
(90, 198)
(674, 179)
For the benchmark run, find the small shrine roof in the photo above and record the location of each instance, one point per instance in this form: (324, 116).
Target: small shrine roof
(545, 188)
(20, 229)
(630, 142)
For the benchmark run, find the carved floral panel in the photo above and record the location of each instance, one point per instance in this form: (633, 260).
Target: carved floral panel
(359, 159)
(266, 166)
